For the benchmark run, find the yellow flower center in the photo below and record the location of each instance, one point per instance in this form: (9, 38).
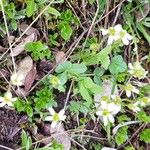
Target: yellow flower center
(112, 31)
(106, 112)
(129, 87)
(56, 117)
(122, 34)
(54, 81)
(105, 98)
(7, 100)
(145, 100)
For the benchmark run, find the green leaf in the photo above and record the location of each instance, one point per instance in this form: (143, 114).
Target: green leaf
(26, 141)
(77, 69)
(63, 67)
(29, 111)
(145, 135)
(103, 57)
(121, 135)
(85, 93)
(91, 86)
(143, 117)
(53, 11)
(66, 31)
(38, 50)
(117, 65)
(31, 6)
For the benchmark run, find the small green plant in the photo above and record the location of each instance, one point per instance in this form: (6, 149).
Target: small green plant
(145, 135)
(26, 141)
(67, 18)
(38, 50)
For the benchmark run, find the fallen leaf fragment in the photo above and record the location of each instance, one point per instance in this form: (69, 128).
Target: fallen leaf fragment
(60, 57)
(107, 89)
(29, 79)
(58, 133)
(20, 47)
(30, 31)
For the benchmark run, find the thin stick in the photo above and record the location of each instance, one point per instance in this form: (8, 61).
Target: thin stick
(89, 31)
(8, 35)
(6, 147)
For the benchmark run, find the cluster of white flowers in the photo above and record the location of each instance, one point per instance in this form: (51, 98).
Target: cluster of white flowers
(141, 102)
(108, 109)
(117, 33)
(54, 117)
(7, 99)
(137, 71)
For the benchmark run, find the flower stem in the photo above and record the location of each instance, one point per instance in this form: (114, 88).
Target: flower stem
(108, 133)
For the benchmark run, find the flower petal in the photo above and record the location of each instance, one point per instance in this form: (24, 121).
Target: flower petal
(61, 113)
(105, 120)
(108, 148)
(130, 66)
(125, 41)
(128, 93)
(49, 118)
(1, 99)
(53, 124)
(10, 104)
(51, 110)
(135, 90)
(129, 37)
(118, 27)
(63, 118)
(104, 31)
(110, 40)
(99, 113)
(111, 118)
(8, 95)
(103, 105)
(2, 104)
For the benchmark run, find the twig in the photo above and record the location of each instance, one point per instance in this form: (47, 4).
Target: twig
(8, 35)
(6, 147)
(89, 31)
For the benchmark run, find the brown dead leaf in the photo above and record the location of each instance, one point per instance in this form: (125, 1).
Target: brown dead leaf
(25, 66)
(58, 133)
(21, 92)
(30, 31)
(29, 79)
(20, 47)
(45, 65)
(107, 89)
(60, 57)
(2, 49)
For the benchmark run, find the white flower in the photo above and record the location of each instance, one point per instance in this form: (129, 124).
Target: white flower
(115, 33)
(108, 148)
(137, 70)
(129, 89)
(55, 117)
(125, 37)
(107, 110)
(7, 99)
(144, 101)
(17, 79)
(117, 101)
(135, 107)
(112, 32)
